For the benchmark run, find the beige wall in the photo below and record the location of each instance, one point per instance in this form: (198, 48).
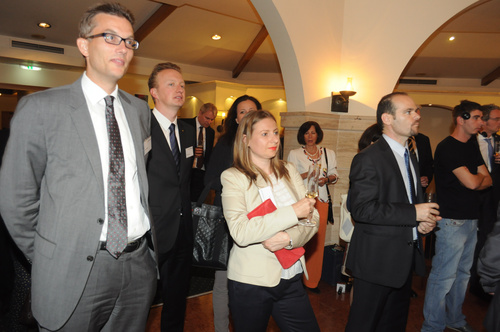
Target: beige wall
(320, 43)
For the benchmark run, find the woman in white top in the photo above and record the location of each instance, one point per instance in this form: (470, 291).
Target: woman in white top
(259, 284)
(309, 136)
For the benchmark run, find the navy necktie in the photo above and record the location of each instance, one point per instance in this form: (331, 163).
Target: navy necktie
(410, 176)
(116, 239)
(413, 197)
(174, 146)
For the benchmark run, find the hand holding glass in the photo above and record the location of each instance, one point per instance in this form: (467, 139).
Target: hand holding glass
(497, 151)
(311, 189)
(430, 197)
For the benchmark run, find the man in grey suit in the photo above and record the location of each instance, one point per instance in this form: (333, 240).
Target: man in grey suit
(74, 200)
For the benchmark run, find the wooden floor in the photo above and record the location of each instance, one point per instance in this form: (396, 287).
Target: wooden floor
(331, 311)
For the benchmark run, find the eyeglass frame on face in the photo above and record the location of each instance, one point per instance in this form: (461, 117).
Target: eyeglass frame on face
(107, 35)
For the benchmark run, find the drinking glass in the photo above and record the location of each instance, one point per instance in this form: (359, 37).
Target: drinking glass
(497, 150)
(430, 197)
(311, 190)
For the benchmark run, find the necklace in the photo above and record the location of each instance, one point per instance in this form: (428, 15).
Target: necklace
(312, 157)
(311, 154)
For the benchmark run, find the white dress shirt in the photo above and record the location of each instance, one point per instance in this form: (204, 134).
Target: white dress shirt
(483, 147)
(137, 220)
(399, 153)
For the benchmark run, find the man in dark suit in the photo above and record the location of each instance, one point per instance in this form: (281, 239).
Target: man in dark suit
(204, 137)
(74, 189)
(489, 197)
(385, 201)
(489, 271)
(169, 171)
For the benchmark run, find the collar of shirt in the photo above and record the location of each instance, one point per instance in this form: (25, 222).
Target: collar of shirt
(94, 93)
(165, 126)
(163, 120)
(396, 146)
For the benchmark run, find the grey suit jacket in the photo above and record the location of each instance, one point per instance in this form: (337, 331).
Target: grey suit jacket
(52, 192)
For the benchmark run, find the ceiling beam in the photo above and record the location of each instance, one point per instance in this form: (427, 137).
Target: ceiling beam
(159, 16)
(254, 46)
(490, 77)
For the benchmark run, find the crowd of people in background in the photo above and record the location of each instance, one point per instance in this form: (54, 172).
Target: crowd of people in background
(97, 193)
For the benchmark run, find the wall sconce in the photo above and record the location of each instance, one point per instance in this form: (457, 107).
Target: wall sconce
(340, 103)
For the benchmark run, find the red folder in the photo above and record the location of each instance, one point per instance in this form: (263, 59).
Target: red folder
(286, 257)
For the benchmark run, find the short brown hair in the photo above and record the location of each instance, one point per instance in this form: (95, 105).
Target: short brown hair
(152, 83)
(385, 105)
(116, 9)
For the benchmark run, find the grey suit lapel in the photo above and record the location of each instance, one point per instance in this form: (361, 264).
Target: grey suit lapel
(85, 130)
(135, 129)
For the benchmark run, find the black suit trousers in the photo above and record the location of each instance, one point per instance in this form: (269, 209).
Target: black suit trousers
(288, 303)
(377, 308)
(175, 267)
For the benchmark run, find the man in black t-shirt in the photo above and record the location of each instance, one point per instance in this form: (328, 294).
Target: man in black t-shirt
(460, 173)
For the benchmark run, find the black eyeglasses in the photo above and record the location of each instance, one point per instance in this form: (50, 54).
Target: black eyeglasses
(111, 38)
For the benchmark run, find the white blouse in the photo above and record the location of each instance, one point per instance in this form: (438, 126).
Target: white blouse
(302, 160)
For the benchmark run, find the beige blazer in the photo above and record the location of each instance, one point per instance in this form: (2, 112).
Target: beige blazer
(249, 261)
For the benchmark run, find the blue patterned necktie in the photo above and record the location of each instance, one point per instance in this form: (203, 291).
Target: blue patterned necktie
(174, 146)
(491, 155)
(116, 239)
(411, 184)
(410, 177)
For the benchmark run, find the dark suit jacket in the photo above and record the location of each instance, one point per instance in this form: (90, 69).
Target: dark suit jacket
(488, 269)
(169, 199)
(495, 176)
(210, 136)
(425, 160)
(381, 249)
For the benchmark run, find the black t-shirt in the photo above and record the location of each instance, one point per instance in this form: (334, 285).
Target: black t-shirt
(455, 200)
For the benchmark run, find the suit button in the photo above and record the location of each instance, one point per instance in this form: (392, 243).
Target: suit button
(410, 243)
(100, 221)
(90, 258)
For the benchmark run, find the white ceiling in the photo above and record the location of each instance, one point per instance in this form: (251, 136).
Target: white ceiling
(184, 36)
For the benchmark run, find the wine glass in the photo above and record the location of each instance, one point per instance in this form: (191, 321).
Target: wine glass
(311, 190)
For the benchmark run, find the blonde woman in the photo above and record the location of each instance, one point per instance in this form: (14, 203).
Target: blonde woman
(259, 285)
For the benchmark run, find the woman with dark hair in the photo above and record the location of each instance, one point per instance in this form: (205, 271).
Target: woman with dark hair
(259, 284)
(309, 136)
(369, 136)
(220, 160)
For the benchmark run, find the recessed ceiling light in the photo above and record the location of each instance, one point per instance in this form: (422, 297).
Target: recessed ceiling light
(44, 25)
(216, 37)
(451, 38)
